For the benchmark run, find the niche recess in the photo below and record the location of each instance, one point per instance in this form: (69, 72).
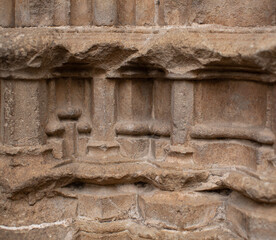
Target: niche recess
(143, 117)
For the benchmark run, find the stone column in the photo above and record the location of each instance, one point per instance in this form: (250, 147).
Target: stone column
(103, 109)
(182, 110)
(102, 143)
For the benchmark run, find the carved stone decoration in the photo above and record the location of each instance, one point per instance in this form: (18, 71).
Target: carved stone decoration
(146, 119)
(69, 110)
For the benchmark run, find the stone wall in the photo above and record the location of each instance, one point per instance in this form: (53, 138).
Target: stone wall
(33, 13)
(137, 119)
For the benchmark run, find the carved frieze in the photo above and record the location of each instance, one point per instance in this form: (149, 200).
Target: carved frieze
(137, 132)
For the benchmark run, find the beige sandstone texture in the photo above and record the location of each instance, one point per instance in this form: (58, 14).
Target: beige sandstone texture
(137, 119)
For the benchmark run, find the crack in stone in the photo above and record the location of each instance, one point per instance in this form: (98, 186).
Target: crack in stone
(65, 223)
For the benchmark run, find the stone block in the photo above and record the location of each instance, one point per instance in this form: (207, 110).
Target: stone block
(179, 211)
(135, 100)
(179, 156)
(82, 142)
(36, 210)
(33, 13)
(126, 12)
(62, 13)
(102, 149)
(104, 115)
(145, 12)
(6, 13)
(81, 12)
(160, 5)
(162, 100)
(24, 109)
(110, 236)
(176, 12)
(251, 219)
(105, 12)
(225, 154)
(107, 208)
(124, 105)
(70, 140)
(57, 146)
(231, 103)
(134, 107)
(52, 232)
(273, 113)
(138, 132)
(236, 13)
(182, 110)
(161, 148)
(134, 148)
(231, 13)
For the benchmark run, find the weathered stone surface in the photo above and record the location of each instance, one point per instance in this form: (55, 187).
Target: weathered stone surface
(146, 125)
(6, 13)
(62, 12)
(246, 13)
(30, 13)
(52, 232)
(24, 113)
(126, 12)
(105, 12)
(145, 13)
(179, 211)
(81, 12)
(107, 208)
(244, 214)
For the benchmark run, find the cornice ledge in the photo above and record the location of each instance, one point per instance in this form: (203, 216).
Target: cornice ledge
(192, 53)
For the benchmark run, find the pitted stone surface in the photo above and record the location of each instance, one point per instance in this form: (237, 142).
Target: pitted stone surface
(137, 119)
